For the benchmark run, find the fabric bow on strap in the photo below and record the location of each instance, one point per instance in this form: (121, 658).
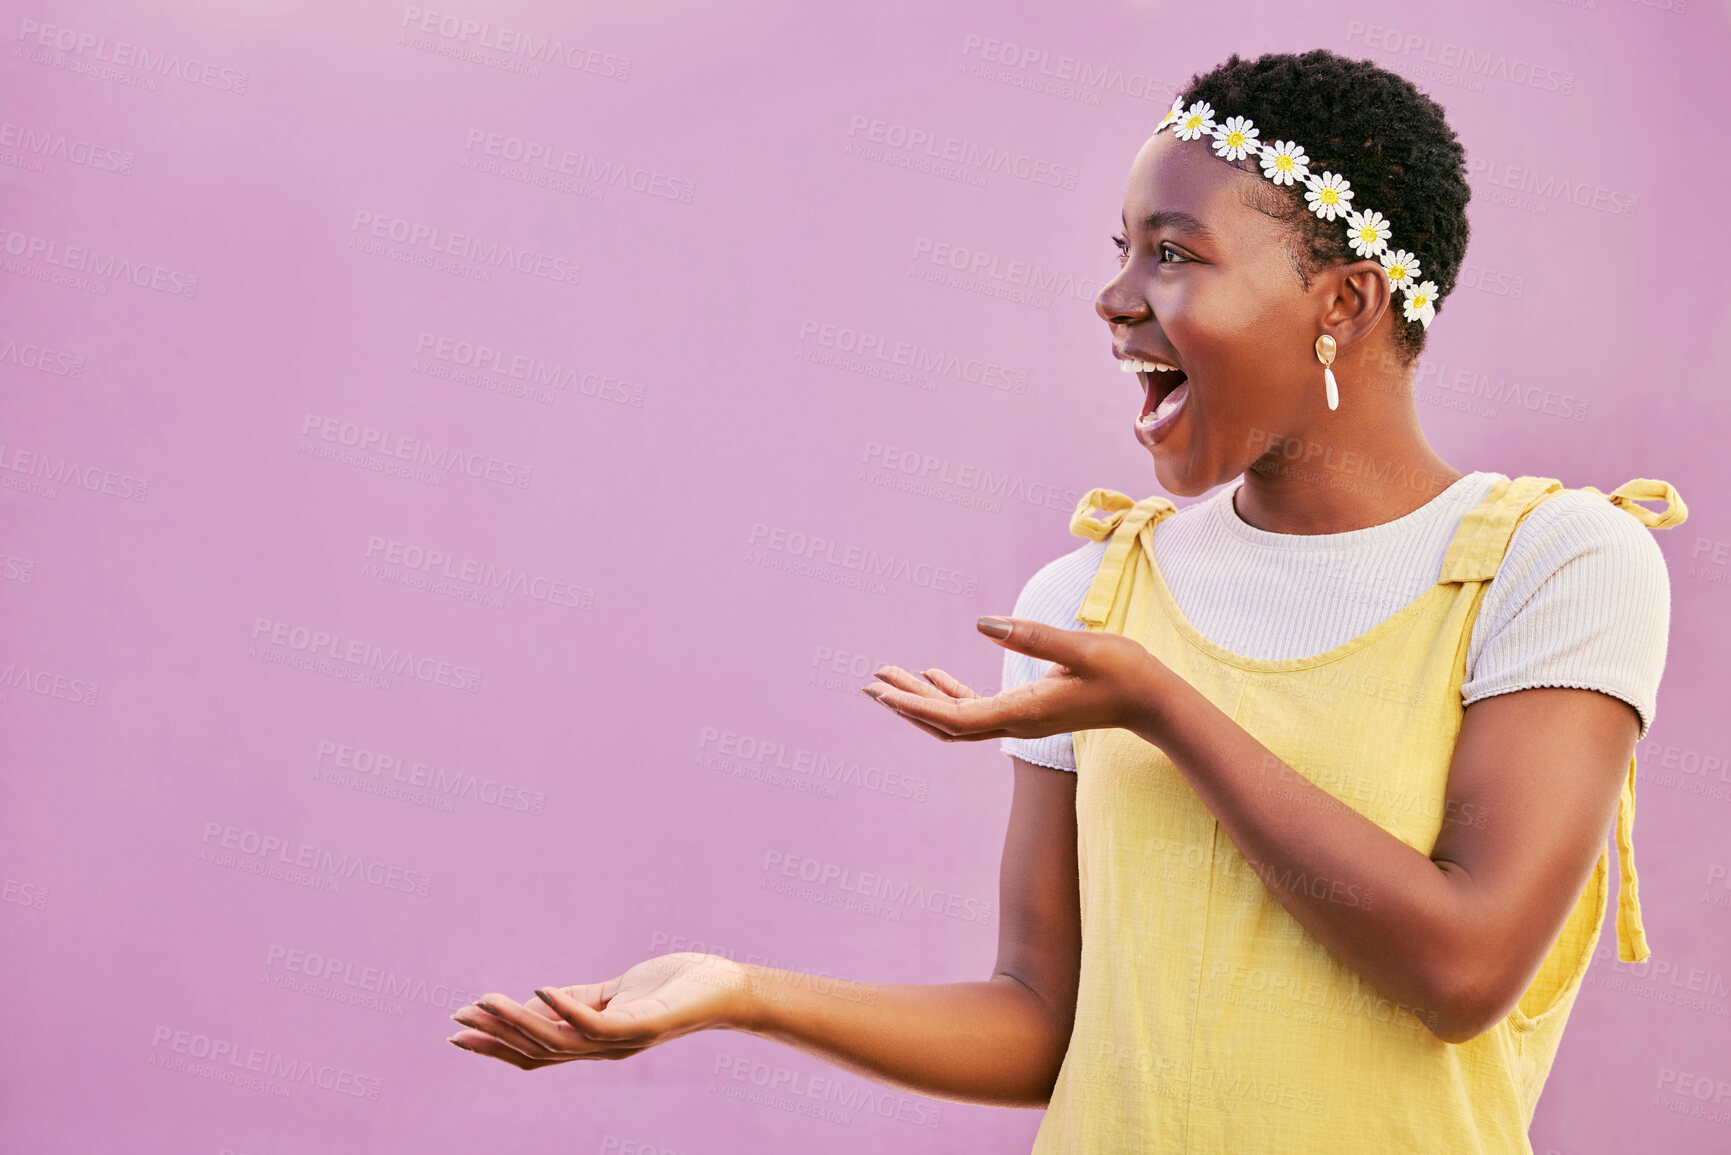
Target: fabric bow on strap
(1626, 495)
(1083, 523)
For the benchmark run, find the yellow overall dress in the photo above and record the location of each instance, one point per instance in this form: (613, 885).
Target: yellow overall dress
(1208, 1021)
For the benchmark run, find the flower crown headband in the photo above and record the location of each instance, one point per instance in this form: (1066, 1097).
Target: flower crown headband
(1329, 196)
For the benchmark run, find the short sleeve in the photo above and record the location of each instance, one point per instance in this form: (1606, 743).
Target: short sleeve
(1052, 596)
(1582, 599)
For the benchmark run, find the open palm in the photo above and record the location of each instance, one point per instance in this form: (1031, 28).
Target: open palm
(1098, 680)
(658, 999)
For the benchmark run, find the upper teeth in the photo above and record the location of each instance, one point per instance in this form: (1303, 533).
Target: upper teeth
(1128, 366)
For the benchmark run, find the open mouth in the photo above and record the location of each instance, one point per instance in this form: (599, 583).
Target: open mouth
(1163, 394)
(1165, 389)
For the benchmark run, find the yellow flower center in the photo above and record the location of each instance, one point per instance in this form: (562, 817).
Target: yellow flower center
(1329, 197)
(1397, 272)
(1367, 235)
(1235, 140)
(1419, 300)
(1284, 163)
(1193, 122)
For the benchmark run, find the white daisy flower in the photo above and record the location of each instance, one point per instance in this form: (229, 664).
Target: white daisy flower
(1197, 122)
(1176, 111)
(1421, 303)
(1235, 139)
(1329, 195)
(1402, 269)
(1367, 233)
(1285, 162)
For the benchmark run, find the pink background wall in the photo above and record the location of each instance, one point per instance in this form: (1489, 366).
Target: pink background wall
(625, 666)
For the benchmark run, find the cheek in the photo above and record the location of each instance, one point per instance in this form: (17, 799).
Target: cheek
(1241, 327)
(1218, 325)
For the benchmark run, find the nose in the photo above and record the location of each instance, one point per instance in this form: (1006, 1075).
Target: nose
(1118, 302)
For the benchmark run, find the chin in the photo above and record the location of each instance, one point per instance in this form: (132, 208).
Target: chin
(1181, 481)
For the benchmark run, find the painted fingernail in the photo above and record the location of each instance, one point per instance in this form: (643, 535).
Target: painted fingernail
(542, 995)
(489, 1009)
(995, 627)
(456, 1043)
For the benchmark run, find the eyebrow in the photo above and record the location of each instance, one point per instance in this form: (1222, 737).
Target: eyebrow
(1183, 222)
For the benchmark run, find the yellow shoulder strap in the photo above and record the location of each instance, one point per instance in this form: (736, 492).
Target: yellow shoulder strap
(1627, 494)
(1123, 523)
(1483, 535)
(1631, 935)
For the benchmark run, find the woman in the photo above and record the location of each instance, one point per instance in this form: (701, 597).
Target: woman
(1347, 737)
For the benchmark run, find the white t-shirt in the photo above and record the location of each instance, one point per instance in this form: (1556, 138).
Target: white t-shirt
(1582, 597)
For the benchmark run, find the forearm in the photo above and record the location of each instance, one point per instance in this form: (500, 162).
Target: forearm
(992, 1042)
(1383, 908)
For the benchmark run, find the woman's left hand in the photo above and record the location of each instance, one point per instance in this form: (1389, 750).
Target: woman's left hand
(1099, 680)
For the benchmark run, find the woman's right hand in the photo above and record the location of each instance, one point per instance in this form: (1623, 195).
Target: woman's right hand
(659, 999)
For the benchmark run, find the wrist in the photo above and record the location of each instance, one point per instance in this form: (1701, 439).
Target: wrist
(1153, 698)
(749, 1011)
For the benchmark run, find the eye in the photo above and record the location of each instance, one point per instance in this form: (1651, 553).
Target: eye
(1123, 246)
(1170, 255)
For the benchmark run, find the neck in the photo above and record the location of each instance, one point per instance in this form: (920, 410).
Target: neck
(1363, 464)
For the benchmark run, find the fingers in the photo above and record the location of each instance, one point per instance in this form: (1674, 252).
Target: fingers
(482, 1044)
(536, 1034)
(556, 1026)
(1039, 640)
(948, 684)
(949, 719)
(928, 728)
(972, 736)
(581, 1012)
(925, 687)
(516, 1027)
(897, 678)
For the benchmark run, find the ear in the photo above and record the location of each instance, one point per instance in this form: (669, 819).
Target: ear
(1361, 296)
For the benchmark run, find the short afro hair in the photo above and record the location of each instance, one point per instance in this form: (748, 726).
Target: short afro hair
(1374, 128)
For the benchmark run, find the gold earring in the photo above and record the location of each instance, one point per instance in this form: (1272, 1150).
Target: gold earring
(1325, 354)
